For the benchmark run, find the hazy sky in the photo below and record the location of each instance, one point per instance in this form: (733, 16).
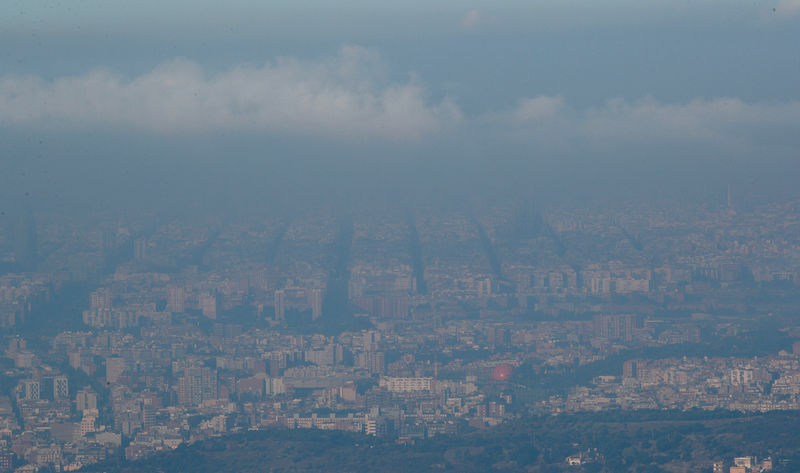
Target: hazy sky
(94, 89)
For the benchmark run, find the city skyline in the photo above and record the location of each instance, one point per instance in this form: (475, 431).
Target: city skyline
(459, 236)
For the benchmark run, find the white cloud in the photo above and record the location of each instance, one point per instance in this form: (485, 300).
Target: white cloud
(538, 108)
(348, 96)
(728, 123)
(722, 121)
(343, 96)
(788, 7)
(471, 19)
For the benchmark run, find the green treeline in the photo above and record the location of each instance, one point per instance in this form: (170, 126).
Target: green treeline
(612, 441)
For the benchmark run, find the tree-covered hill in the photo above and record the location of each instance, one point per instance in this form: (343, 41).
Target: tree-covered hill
(643, 441)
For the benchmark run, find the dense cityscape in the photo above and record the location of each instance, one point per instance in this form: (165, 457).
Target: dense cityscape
(125, 336)
(460, 236)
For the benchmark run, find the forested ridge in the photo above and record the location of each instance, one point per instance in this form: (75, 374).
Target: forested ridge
(613, 441)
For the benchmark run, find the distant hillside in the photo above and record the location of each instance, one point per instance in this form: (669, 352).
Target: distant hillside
(649, 441)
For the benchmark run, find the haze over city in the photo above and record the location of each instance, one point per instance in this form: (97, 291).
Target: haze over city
(452, 236)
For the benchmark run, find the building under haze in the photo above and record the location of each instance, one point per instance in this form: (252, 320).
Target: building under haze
(176, 299)
(197, 385)
(140, 248)
(26, 242)
(315, 299)
(280, 304)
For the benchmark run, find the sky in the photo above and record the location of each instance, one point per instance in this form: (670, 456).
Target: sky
(450, 98)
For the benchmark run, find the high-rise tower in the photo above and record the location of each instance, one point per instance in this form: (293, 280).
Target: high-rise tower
(280, 304)
(315, 301)
(26, 244)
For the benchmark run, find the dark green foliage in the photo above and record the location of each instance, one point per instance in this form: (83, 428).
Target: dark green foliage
(645, 441)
